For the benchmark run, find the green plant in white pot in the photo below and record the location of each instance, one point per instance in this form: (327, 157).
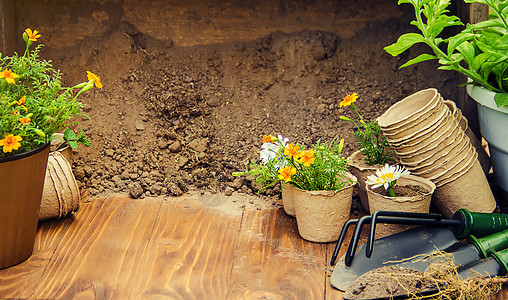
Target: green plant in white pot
(479, 51)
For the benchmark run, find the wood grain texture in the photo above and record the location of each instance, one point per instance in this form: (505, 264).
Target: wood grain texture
(20, 281)
(181, 248)
(273, 262)
(100, 250)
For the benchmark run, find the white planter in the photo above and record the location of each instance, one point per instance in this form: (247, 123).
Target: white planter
(494, 128)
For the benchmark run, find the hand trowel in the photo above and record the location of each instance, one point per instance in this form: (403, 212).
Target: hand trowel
(417, 241)
(481, 258)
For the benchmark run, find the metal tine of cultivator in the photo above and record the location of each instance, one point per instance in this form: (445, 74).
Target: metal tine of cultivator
(408, 218)
(378, 218)
(392, 217)
(341, 239)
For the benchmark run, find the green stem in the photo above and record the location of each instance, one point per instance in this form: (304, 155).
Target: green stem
(390, 192)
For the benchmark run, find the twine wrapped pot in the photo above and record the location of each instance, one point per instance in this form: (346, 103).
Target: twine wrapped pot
(61, 193)
(320, 215)
(288, 199)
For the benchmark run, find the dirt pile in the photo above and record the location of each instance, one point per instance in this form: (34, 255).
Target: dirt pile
(171, 119)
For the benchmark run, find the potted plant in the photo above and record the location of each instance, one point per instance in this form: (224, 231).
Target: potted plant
(322, 188)
(402, 192)
(374, 150)
(479, 52)
(33, 106)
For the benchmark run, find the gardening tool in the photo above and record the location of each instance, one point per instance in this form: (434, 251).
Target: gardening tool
(462, 224)
(416, 241)
(495, 264)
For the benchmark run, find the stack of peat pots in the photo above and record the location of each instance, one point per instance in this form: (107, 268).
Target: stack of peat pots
(430, 142)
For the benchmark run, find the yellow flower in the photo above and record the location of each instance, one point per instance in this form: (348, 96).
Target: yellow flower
(307, 157)
(9, 76)
(32, 36)
(25, 120)
(10, 142)
(292, 151)
(21, 101)
(268, 139)
(96, 79)
(348, 100)
(285, 173)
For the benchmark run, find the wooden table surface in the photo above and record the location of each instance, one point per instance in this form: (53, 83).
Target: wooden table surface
(178, 248)
(120, 248)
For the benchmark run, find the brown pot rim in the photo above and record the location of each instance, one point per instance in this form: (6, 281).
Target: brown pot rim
(24, 154)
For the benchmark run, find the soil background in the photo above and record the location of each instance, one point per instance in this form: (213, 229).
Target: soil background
(184, 107)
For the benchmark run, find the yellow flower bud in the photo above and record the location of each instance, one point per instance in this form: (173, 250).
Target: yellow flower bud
(39, 132)
(345, 118)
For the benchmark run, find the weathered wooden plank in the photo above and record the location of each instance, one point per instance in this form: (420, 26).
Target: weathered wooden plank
(19, 281)
(190, 254)
(273, 262)
(7, 27)
(99, 250)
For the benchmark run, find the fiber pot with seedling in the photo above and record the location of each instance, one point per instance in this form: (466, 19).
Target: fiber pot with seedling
(374, 150)
(393, 188)
(322, 189)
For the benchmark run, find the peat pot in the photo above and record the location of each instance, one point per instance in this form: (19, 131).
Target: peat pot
(288, 199)
(60, 195)
(21, 183)
(320, 215)
(418, 203)
(493, 124)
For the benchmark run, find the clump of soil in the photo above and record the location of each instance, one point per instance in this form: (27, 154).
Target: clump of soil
(403, 191)
(441, 280)
(172, 119)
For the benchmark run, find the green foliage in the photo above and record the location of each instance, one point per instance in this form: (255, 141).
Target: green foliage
(373, 144)
(479, 51)
(369, 137)
(34, 105)
(326, 171)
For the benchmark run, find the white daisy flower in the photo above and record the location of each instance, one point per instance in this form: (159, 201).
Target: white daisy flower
(386, 176)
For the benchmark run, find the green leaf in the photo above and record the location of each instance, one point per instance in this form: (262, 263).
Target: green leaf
(458, 39)
(501, 99)
(70, 138)
(420, 58)
(404, 42)
(467, 51)
(83, 140)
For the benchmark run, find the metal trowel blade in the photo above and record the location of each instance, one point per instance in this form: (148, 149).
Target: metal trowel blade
(391, 250)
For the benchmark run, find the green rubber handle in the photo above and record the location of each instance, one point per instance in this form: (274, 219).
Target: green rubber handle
(501, 257)
(478, 224)
(493, 242)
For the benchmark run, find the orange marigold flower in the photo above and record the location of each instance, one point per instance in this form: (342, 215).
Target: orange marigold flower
(32, 36)
(21, 101)
(9, 76)
(307, 157)
(96, 79)
(348, 100)
(292, 151)
(25, 120)
(268, 139)
(10, 142)
(285, 173)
